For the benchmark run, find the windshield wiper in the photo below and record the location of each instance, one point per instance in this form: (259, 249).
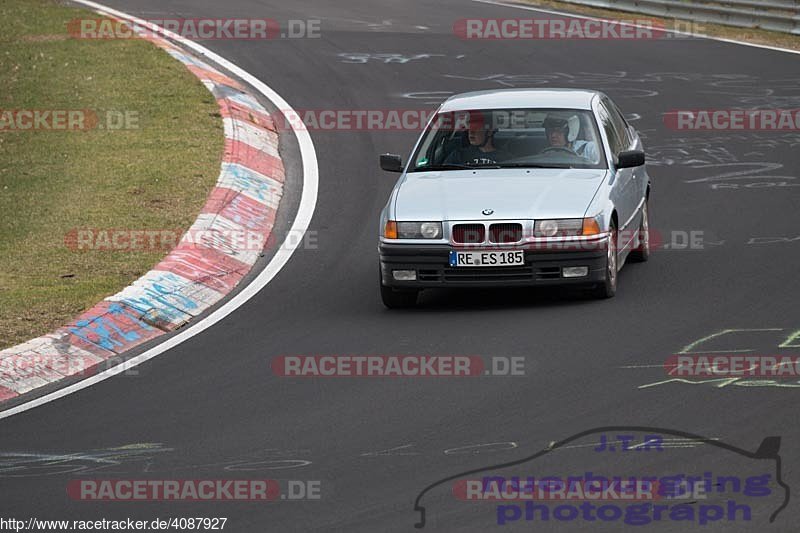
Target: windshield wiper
(454, 166)
(534, 165)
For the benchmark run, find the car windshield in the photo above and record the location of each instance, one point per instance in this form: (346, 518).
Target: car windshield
(510, 138)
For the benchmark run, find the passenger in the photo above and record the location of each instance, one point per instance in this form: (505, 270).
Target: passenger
(557, 129)
(481, 149)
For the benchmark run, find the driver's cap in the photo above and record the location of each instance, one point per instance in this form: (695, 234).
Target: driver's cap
(556, 122)
(569, 123)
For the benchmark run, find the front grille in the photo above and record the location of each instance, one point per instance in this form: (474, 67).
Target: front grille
(505, 232)
(469, 233)
(553, 272)
(523, 273)
(429, 275)
(528, 272)
(479, 274)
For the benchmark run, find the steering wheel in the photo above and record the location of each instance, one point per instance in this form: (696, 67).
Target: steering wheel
(558, 149)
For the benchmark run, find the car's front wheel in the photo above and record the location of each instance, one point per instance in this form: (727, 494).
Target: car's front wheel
(608, 287)
(397, 298)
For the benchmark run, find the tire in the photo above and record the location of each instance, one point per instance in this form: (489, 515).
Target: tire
(397, 299)
(608, 287)
(642, 252)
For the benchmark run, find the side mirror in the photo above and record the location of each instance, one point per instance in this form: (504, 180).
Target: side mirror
(631, 158)
(391, 163)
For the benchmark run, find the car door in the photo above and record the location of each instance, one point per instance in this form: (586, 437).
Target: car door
(624, 193)
(639, 173)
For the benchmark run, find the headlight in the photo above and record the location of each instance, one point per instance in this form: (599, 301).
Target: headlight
(565, 227)
(419, 230)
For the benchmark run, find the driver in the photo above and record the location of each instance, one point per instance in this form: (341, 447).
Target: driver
(557, 129)
(481, 149)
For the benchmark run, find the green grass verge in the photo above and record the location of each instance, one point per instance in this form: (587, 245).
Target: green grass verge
(154, 176)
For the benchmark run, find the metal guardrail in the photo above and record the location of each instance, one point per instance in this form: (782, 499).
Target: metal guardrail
(775, 15)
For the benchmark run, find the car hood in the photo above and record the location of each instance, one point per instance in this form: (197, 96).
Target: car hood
(509, 193)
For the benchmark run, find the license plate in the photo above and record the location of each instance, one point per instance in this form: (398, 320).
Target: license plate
(487, 259)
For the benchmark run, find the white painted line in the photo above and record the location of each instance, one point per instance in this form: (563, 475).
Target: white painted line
(308, 201)
(633, 24)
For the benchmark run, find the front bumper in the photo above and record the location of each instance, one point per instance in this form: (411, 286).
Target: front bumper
(542, 266)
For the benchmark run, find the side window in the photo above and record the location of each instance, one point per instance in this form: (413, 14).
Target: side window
(621, 125)
(432, 149)
(619, 113)
(614, 140)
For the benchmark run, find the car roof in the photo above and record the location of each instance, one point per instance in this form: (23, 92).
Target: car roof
(521, 98)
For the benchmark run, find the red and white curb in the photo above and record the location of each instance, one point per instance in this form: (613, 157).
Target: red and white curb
(195, 275)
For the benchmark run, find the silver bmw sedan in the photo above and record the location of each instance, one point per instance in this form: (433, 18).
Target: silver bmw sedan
(516, 187)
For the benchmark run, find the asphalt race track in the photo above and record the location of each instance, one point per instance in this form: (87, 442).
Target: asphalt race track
(211, 408)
